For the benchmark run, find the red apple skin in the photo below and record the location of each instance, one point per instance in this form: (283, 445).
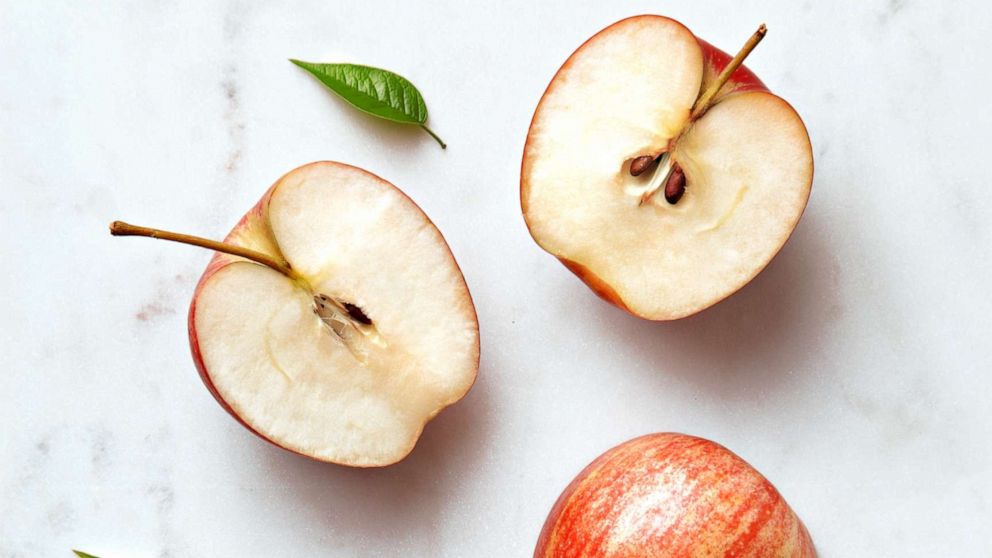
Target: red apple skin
(219, 261)
(714, 60)
(672, 496)
(242, 235)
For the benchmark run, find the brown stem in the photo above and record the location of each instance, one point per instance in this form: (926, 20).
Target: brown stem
(704, 101)
(670, 176)
(120, 228)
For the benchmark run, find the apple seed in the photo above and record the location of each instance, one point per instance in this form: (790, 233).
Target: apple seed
(675, 186)
(640, 164)
(355, 312)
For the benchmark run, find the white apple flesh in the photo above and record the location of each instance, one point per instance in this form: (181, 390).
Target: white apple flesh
(368, 335)
(630, 92)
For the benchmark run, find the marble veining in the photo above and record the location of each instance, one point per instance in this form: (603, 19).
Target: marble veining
(853, 372)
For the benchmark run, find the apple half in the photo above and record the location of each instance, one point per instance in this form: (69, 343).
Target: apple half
(356, 331)
(672, 496)
(661, 171)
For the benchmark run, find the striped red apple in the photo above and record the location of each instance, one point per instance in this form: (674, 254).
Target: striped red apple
(672, 496)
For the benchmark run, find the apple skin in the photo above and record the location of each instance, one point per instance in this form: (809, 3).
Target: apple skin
(672, 496)
(253, 231)
(249, 221)
(714, 60)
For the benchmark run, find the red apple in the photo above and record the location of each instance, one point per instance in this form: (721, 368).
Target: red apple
(733, 161)
(334, 321)
(672, 496)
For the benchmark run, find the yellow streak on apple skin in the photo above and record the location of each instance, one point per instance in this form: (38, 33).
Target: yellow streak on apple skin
(726, 214)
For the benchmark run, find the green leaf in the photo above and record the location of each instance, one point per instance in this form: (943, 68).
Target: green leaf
(82, 554)
(375, 91)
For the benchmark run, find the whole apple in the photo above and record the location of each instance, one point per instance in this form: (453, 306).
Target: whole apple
(672, 496)
(661, 171)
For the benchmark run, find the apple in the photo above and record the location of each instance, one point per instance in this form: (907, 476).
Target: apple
(661, 171)
(672, 496)
(334, 321)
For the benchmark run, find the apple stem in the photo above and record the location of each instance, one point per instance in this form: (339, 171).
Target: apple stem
(704, 101)
(120, 228)
(668, 174)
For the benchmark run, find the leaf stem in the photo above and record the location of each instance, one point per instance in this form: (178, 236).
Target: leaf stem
(120, 228)
(707, 97)
(433, 135)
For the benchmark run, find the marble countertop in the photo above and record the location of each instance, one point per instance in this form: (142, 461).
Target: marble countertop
(854, 372)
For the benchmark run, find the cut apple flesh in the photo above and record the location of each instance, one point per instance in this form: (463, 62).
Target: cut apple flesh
(626, 93)
(347, 362)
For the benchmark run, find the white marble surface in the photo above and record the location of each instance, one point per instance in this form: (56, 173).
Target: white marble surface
(854, 372)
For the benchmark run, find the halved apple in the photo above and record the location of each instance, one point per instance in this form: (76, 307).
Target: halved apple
(661, 171)
(358, 329)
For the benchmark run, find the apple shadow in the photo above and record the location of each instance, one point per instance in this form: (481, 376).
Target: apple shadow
(759, 339)
(401, 502)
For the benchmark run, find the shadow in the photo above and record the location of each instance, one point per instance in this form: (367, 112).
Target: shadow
(402, 502)
(756, 340)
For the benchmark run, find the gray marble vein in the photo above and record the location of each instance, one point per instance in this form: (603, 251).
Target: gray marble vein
(854, 371)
